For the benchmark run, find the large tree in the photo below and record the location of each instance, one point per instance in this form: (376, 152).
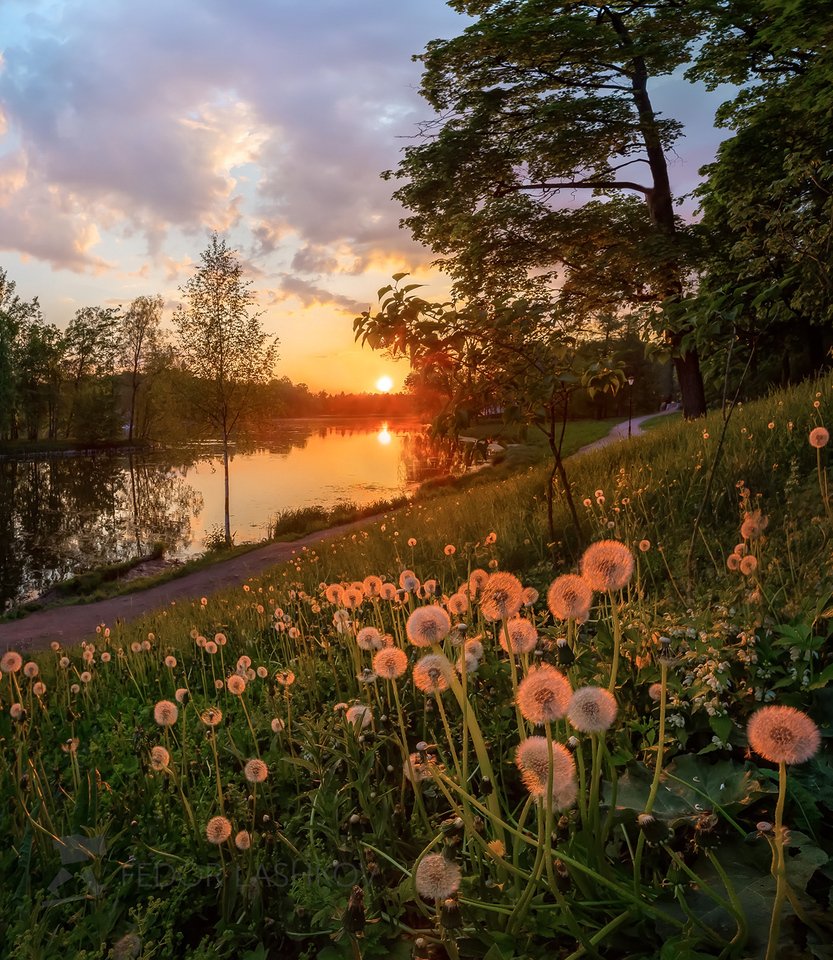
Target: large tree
(222, 345)
(543, 105)
(141, 352)
(767, 201)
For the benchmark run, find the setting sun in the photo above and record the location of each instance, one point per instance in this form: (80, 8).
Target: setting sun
(384, 384)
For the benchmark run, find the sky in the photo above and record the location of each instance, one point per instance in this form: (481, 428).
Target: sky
(130, 130)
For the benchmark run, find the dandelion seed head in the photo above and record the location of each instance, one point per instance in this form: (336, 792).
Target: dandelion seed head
(165, 713)
(236, 684)
(31, 669)
(242, 840)
(359, 715)
(783, 734)
(217, 830)
(390, 663)
(431, 673)
(819, 436)
(437, 878)
(523, 637)
(748, 565)
(607, 565)
(569, 598)
(753, 525)
(544, 694)
(655, 691)
(592, 709)
(255, 771)
(502, 596)
(532, 760)
(427, 626)
(211, 716)
(733, 561)
(369, 638)
(11, 662)
(159, 758)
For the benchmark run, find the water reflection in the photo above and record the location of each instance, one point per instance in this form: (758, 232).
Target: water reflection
(62, 515)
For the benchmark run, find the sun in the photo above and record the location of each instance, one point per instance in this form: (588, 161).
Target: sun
(384, 384)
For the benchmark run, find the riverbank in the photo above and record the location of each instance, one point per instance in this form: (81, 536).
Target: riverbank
(70, 624)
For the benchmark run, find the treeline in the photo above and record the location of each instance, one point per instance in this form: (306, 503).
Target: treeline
(113, 374)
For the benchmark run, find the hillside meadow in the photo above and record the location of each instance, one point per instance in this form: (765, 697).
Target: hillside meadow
(443, 736)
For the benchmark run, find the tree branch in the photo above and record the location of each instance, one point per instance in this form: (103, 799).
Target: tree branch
(505, 188)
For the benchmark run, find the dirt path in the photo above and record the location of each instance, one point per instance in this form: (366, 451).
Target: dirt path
(72, 624)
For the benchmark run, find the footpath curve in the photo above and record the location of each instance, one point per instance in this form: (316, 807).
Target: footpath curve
(71, 624)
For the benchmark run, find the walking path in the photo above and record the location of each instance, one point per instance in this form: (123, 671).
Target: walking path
(72, 624)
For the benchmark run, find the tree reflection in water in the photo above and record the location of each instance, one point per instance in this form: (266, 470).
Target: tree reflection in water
(61, 515)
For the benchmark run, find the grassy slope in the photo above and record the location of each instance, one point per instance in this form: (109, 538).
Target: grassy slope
(650, 490)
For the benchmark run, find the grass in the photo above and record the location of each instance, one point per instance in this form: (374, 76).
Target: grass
(347, 805)
(662, 420)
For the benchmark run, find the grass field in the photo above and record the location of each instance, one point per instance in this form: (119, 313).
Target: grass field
(383, 748)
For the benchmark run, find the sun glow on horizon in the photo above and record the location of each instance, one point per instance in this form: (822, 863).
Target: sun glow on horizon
(384, 384)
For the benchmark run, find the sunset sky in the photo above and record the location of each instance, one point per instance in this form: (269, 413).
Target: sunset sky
(129, 130)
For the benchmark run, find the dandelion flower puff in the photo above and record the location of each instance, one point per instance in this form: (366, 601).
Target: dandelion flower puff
(644, 545)
(242, 840)
(502, 596)
(236, 684)
(211, 716)
(457, 603)
(544, 694)
(359, 715)
(369, 638)
(285, 678)
(255, 771)
(570, 598)
(334, 592)
(783, 735)
(532, 760)
(262, 672)
(170, 662)
(11, 662)
(476, 582)
(217, 830)
(159, 758)
(437, 878)
(210, 646)
(607, 565)
(372, 585)
(352, 598)
(165, 713)
(523, 637)
(819, 437)
(277, 725)
(39, 689)
(17, 711)
(449, 549)
(407, 577)
(474, 648)
(105, 657)
(64, 662)
(529, 596)
(431, 673)
(244, 661)
(390, 663)
(388, 591)
(467, 663)
(85, 676)
(592, 709)
(655, 691)
(733, 561)
(31, 669)
(748, 565)
(753, 525)
(427, 626)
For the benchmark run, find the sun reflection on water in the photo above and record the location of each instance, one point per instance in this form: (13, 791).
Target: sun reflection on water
(383, 436)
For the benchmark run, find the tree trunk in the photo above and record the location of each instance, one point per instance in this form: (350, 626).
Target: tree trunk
(661, 211)
(226, 502)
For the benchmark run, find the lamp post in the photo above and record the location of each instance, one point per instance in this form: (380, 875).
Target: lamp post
(630, 405)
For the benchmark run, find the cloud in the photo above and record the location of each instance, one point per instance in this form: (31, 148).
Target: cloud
(310, 295)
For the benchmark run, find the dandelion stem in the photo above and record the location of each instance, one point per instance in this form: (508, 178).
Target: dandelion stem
(779, 866)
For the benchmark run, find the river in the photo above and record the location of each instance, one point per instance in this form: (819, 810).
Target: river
(63, 515)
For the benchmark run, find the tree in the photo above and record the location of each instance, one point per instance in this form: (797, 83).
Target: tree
(542, 101)
(89, 360)
(18, 320)
(222, 346)
(141, 342)
(767, 203)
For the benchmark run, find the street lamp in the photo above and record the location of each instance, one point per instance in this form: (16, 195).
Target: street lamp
(630, 404)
